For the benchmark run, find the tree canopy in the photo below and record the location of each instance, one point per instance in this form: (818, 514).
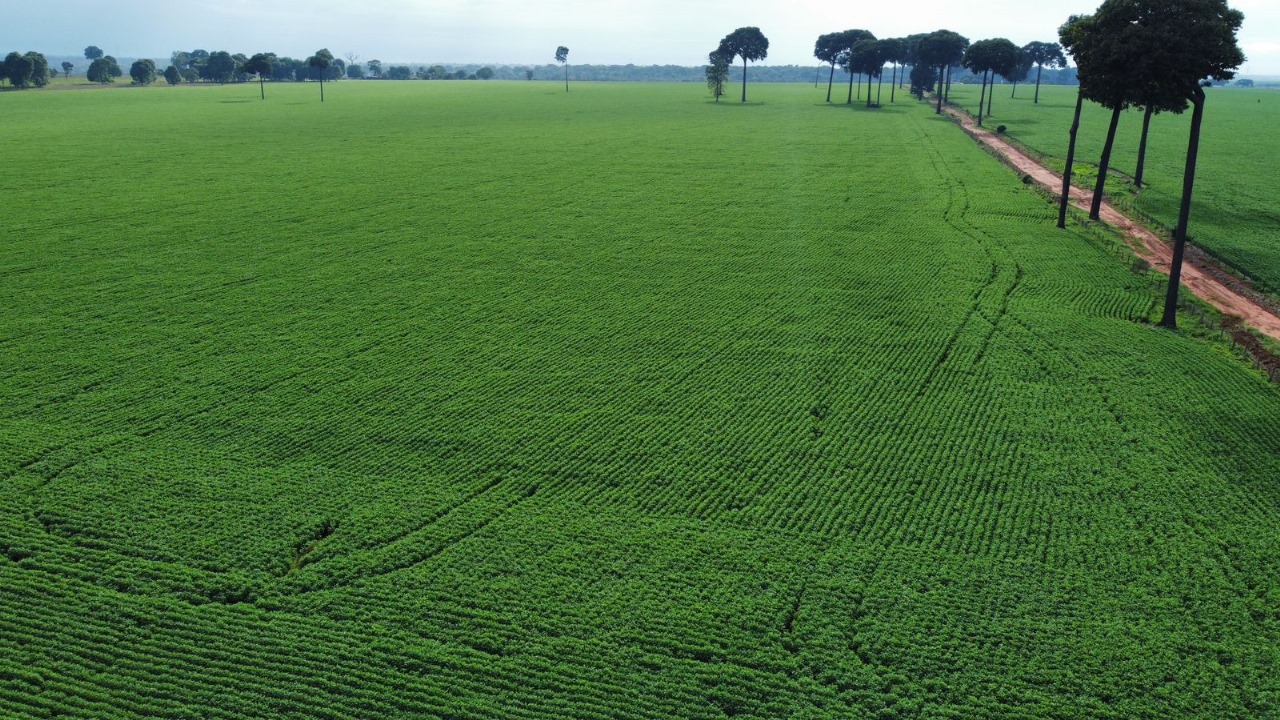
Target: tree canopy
(103, 70)
(747, 43)
(18, 70)
(143, 72)
(717, 73)
(93, 52)
(562, 57)
(941, 49)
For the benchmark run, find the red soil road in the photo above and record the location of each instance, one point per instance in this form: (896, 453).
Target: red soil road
(1213, 285)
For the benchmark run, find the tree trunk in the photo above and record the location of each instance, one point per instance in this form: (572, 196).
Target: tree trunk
(1142, 147)
(941, 70)
(982, 97)
(893, 86)
(868, 89)
(1170, 319)
(1071, 157)
(948, 95)
(1039, 69)
(566, 77)
(744, 79)
(1014, 94)
(321, 84)
(831, 80)
(991, 95)
(859, 86)
(1103, 164)
(262, 88)
(879, 86)
(850, 100)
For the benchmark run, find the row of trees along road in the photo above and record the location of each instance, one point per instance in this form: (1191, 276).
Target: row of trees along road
(1156, 55)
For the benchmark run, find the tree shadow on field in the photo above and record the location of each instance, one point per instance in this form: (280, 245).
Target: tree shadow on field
(229, 102)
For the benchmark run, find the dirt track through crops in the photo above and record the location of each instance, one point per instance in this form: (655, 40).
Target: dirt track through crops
(1211, 284)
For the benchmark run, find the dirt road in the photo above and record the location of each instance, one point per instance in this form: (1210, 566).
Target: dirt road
(1217, 288)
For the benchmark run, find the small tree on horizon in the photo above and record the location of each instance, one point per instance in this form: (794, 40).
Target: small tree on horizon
(93, 52)
(562, 57)
(172, 75)
(67, 68)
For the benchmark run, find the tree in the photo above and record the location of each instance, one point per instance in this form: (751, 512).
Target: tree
(319, 63)
(374, 68)
(562, 57)
(143, 72)
(941, 49)
(528, 74)
(828, 49)
(894, 50)
(717, 73)
(103, 70)
(18, 70)
(747, 43)
(1177, 45)
(1103, 53)
(999, 57)
(93, 52)
(1019, 72)
(1068, 33)
(399, 72)
(355, 72)
(172, 75)
(1041, 54)
(866, 58)
(67, 68)
(261, 64)
(240, 75)
(847, 40)
(484, 73)
(219, 67)
(39, 76)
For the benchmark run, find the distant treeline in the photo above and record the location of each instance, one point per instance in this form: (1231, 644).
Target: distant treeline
(196, 66)
(223, 67)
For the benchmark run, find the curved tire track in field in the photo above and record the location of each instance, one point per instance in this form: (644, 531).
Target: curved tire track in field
(1208, 283)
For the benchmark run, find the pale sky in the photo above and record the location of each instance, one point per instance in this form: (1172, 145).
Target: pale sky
(519, 32)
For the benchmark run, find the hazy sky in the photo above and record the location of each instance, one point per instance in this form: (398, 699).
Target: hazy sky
(642, 32)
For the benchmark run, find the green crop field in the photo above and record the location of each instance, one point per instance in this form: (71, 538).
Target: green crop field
(485, 400)
(1234, 214)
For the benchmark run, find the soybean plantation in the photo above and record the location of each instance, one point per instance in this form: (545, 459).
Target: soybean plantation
(1234, 215)
(466, 400)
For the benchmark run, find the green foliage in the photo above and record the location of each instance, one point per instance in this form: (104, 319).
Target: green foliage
(277, 442)
(143, 72)
(103, 70)
(220, 67)
(172, 76)
(717, 73)
(18, 70)
(747, 43)
(93, 52)
(485, 73)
